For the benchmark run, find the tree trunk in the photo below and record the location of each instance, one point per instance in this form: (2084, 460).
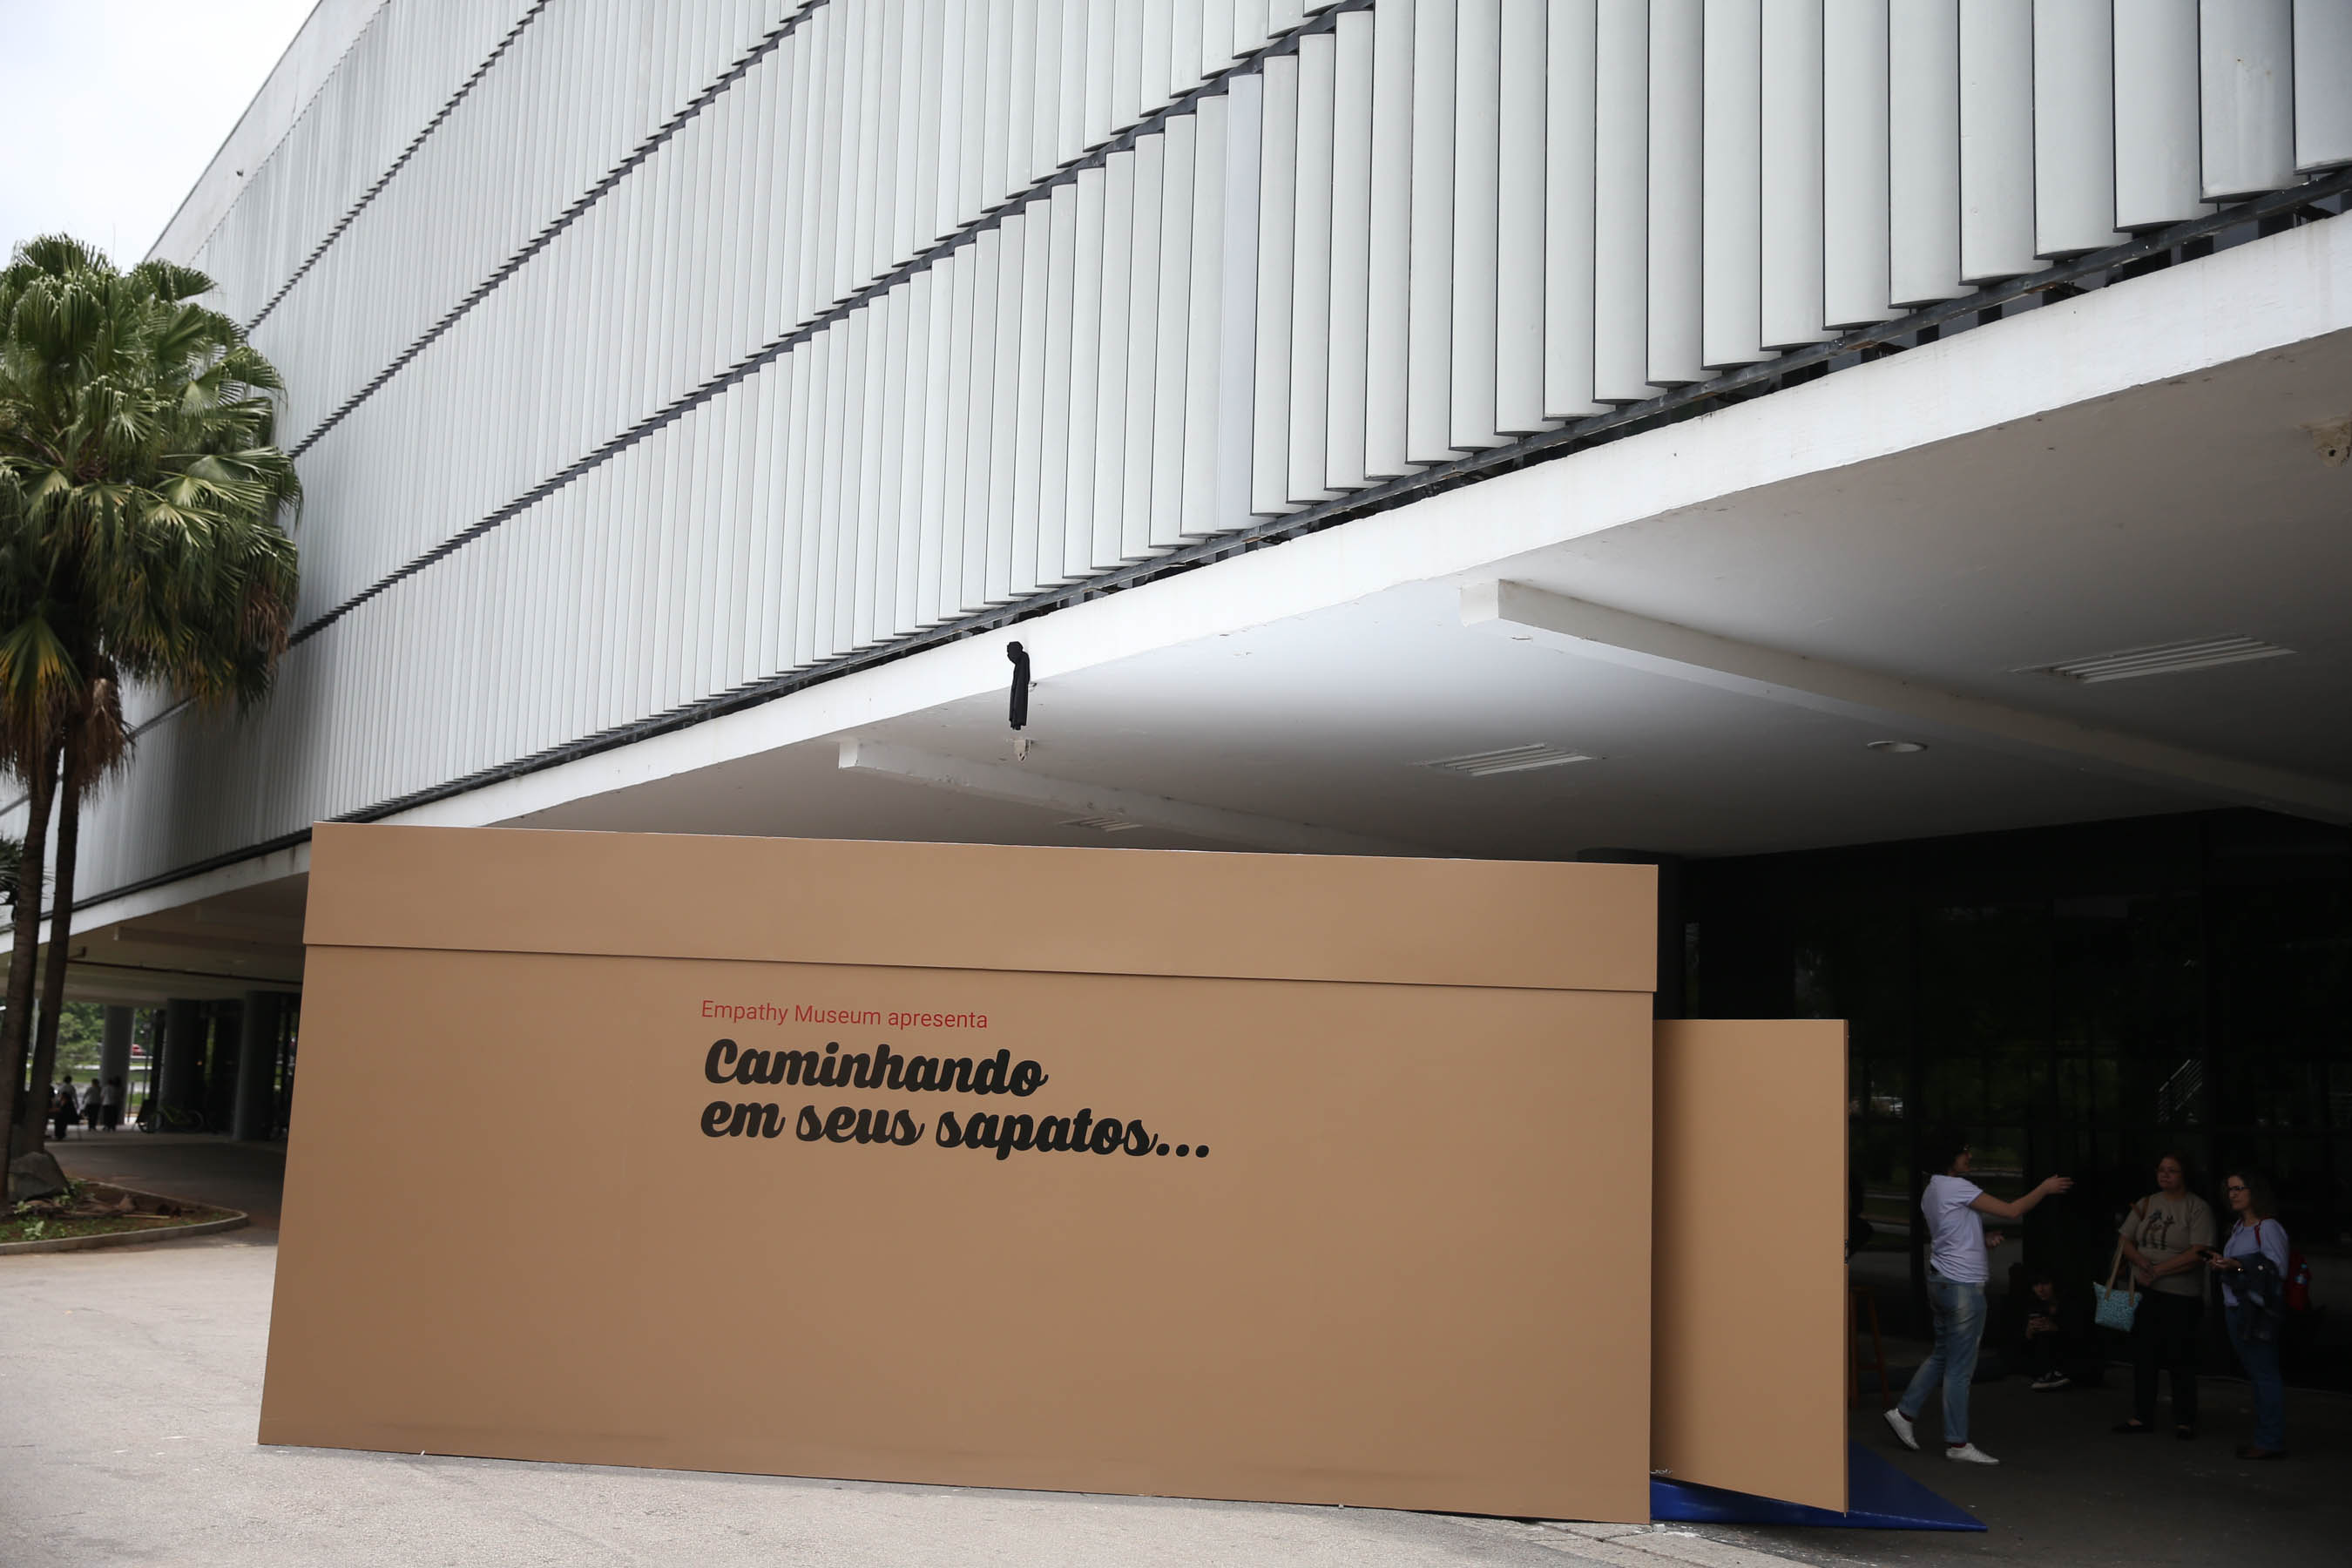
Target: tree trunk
(15, 1033)
(53, 970)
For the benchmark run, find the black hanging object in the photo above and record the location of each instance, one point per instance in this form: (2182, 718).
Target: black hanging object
(1019, 657)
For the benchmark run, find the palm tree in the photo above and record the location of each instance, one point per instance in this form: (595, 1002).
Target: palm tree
(141, 494)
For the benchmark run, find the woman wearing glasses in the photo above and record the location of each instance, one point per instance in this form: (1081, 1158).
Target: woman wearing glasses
(2253, 1332)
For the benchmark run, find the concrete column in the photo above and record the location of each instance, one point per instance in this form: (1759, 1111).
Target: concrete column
(151, 1087)
(217, 1099)
(114, 1055)
(256, 1068)
(181, 1074)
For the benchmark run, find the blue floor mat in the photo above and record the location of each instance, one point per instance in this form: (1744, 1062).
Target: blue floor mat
(1878, 1497)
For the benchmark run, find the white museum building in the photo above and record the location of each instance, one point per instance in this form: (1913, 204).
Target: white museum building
(1752, 435)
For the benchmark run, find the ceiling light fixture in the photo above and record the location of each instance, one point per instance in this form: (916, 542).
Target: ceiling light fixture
(1103, 823)
(1517, 759)
(1896, 748)
(2162, 658)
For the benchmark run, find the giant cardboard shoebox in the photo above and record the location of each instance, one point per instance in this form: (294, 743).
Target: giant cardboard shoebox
(1284, 1178)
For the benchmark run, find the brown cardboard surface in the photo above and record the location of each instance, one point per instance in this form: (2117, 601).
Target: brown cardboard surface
(1553, 926)
(506, 1234)
(1748, 1374)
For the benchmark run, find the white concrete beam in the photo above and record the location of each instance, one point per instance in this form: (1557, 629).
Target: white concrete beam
(134, 985)
(294, 860)
(1912, 710)
(1072, 797)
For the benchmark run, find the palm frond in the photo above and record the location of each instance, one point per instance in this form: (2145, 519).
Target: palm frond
(142, 501)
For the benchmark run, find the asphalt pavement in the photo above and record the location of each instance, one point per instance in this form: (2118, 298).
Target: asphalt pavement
(130, 1386)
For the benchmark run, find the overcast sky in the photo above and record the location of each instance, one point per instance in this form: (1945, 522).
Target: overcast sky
(110, 109)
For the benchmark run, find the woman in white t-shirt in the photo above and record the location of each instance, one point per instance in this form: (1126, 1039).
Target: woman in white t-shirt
(1956, 1271)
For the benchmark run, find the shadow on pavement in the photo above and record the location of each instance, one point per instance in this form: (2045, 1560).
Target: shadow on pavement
(2068, 1491)
(200, 1169)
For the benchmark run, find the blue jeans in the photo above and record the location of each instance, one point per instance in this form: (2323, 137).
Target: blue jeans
(2260, 1360)
(1959, 1327)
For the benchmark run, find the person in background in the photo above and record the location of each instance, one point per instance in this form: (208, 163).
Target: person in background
(2166, 1238)
(2253, 1331)
(1956, 1271)
(92, 1098)
(2048, 1336)
(65, 1107)
(112, 1103)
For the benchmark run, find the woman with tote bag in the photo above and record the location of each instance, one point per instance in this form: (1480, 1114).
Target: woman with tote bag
(2164, 1238)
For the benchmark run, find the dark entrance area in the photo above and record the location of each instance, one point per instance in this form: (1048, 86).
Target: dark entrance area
(221, 1067)
(2076, 999)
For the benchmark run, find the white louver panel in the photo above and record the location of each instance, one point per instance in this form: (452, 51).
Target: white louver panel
(640, 355)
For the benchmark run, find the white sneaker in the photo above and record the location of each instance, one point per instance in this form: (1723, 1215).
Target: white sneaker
(1902, 1424)
(1970, 1454)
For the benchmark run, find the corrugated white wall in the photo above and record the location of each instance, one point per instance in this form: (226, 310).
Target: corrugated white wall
(639, 354)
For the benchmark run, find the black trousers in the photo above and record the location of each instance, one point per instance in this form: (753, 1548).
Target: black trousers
(2164, 1333)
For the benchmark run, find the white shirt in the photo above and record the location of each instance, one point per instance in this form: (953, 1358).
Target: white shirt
(1956, 1247)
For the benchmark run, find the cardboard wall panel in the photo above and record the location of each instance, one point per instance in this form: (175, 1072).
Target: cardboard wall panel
(986, 906)
(1749, 1347)
(1374, 1287)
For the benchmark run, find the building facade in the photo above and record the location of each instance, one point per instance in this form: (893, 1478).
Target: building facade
(1706, 429)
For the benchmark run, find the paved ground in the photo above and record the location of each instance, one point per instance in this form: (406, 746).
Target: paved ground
(2068, 1491)
(249, 1176)
(129, 1386)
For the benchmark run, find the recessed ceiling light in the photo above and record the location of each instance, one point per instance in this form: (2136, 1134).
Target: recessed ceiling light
(2163, 659)
(1103, 823)
(1510, 760)
(1897, 748)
